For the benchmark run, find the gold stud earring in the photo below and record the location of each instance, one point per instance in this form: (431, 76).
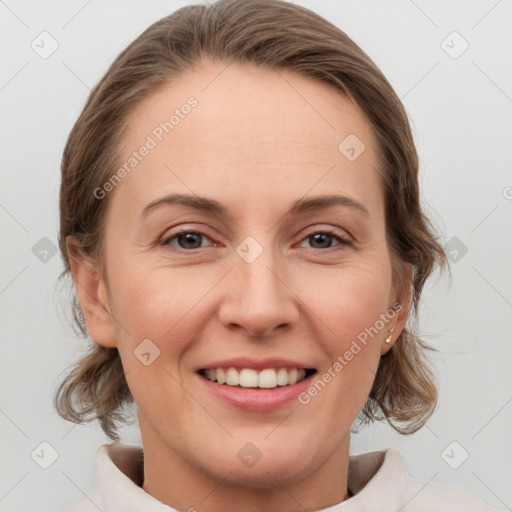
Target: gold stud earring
(389, 338)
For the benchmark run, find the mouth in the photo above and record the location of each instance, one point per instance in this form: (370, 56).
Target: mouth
(259, 385)
(267, 378)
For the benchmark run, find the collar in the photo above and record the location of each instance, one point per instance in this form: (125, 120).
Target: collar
(378, 480)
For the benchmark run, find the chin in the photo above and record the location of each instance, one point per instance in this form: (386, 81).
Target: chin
(264, 468)
(267, 475)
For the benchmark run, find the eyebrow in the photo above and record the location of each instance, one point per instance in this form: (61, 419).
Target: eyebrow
(211, 206)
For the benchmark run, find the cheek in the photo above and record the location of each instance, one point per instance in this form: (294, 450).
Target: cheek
(168, 304)
(159, 303)
(351, 300)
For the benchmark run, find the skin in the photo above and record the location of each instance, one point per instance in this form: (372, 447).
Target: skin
(299, 299)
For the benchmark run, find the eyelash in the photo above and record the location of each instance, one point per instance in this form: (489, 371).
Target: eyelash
(342, 241)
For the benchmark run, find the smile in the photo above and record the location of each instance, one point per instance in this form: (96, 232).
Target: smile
(268, 378)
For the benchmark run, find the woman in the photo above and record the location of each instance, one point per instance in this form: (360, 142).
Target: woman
(219, 149)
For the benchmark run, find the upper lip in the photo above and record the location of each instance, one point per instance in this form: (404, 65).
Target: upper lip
(255, 364)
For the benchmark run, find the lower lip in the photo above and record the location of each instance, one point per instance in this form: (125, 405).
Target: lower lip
(252, 399)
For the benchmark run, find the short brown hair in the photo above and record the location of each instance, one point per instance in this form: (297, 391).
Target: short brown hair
(272, 34)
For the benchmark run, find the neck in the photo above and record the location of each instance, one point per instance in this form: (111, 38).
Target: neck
(174, 481)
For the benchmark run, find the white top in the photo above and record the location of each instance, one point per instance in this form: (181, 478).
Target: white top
(379, 481)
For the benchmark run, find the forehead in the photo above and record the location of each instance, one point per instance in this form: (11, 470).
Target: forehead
(251, 130)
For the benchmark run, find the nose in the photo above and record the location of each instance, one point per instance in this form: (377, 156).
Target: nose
(259, 297)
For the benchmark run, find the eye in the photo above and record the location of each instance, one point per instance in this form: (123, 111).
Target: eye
(324, 239)
(185, 239)
(189, 240)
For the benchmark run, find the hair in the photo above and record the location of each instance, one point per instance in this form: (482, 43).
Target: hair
(275, 35)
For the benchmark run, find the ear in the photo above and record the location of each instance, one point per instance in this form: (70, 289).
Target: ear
(92, 294)
(401, 304)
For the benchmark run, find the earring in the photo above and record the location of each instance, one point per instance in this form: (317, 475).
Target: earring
(389, 338)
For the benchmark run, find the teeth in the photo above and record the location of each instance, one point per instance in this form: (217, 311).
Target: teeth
(221, 376)
(267, 379)
(248, 378)
(232, 377)
(282, 377)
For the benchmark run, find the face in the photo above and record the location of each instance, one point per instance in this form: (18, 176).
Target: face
(257, 275)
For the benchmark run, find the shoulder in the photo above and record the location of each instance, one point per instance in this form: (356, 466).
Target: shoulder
(429, 496)
(105, 471)
(83, 506)
(382, 482)
(119, 476)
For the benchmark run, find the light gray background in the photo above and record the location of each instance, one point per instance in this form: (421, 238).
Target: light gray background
(461, 110)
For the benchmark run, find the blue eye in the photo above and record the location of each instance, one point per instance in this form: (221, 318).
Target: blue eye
(190, 240)
(325, 239)
(186, 239)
